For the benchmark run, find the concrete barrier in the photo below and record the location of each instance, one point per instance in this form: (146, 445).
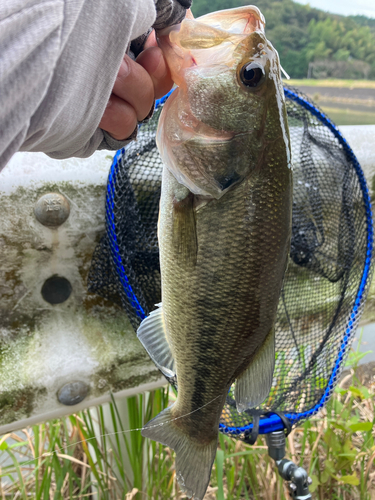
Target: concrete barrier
(61, 348)
(362, 140)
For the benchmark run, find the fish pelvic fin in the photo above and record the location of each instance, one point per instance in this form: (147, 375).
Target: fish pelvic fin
(153, 335)
(193, 460)
(254, 384)
(184, 236)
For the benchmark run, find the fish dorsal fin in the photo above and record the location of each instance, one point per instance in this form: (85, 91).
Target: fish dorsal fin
(153, 335)
(254, 384)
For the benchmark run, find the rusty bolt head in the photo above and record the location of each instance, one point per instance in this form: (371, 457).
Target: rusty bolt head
(52, 209)
(73, 393)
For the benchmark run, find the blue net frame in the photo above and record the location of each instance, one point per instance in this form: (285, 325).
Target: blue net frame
(271, 422)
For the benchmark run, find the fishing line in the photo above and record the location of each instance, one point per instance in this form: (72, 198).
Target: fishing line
(284, 73)
(50, 453)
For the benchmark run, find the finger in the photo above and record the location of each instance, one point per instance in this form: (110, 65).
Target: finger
(119, 119)
(134, 85)
(151, 40)
(152, 60)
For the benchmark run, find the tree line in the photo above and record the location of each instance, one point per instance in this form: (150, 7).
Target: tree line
(311, 42)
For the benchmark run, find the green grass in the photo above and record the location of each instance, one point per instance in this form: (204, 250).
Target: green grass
(353, 84)
(100, 452)
(76, 456)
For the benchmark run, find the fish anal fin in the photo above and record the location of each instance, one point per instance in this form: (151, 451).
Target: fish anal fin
(193, 460)
(153, 335)
(184, 236)
(254, 384)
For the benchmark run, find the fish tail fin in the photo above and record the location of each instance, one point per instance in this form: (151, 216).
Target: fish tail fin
(193, 460)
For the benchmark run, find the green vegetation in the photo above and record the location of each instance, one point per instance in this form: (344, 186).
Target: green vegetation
(311, 41)
(332, 82)
(96, 453)
(89, 454)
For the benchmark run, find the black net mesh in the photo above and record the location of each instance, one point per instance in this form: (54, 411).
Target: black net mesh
(329, 266)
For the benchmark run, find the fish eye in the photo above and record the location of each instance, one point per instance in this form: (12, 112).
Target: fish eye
(252, 74)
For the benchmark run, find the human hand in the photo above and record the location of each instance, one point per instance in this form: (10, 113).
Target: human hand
(137, 85)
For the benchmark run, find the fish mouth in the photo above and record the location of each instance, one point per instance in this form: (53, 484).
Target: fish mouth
(195, 129)
(204, 134)
(166, 31)
(246, 19)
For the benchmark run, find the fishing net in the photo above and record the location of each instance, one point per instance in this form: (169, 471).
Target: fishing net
(328, 274)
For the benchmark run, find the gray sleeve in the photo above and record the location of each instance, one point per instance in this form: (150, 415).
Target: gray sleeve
(59, 60)
(30, 40)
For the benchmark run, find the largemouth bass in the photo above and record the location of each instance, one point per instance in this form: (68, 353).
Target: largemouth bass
(224, 230)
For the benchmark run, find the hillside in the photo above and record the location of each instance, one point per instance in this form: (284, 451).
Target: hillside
(312, 42)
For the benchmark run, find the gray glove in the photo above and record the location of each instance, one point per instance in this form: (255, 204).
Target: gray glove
(168, 13)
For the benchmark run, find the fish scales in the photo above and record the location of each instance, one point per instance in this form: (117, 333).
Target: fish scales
(224, 231)
(232, 292)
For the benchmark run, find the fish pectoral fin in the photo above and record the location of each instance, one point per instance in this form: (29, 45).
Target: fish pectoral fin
(184, 236)
(193, 460)
(254, 384)
(153, 335)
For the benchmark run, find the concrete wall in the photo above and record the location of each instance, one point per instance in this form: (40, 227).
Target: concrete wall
(61, 348)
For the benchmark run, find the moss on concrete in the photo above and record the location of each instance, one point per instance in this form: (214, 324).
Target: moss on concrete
(18, 404)
(120, 376)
